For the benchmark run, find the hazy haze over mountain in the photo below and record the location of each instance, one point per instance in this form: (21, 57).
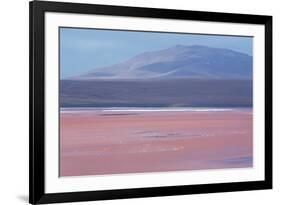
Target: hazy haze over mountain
(179, 62)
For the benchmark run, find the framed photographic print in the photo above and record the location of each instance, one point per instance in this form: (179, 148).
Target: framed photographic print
(141, 102)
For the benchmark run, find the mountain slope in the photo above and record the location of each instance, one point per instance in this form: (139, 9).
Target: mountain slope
(179, 62)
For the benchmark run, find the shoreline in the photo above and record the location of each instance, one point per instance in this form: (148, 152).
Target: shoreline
(154, 109)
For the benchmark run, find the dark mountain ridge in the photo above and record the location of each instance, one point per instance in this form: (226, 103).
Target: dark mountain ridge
(156, 93)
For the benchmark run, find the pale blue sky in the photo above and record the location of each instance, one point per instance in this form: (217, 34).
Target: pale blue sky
(83, 50)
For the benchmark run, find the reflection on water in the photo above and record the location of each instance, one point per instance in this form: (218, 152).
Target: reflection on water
(247, 161)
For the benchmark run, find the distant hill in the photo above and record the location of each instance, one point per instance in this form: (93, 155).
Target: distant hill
(179, 62)
(196, 76)
(156, 93)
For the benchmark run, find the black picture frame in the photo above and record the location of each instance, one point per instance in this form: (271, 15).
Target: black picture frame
(37, 194)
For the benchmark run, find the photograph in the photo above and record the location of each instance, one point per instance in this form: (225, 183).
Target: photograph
(148, 101)
(132, 102)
